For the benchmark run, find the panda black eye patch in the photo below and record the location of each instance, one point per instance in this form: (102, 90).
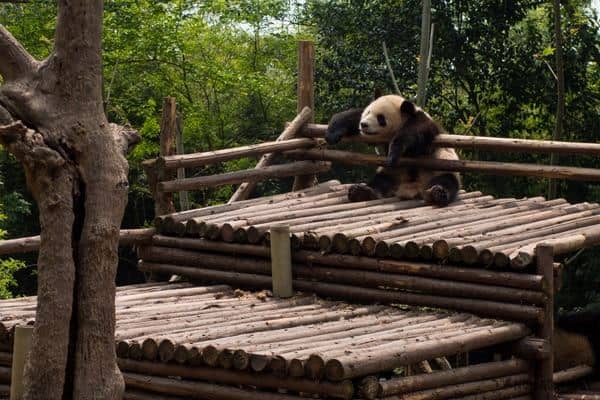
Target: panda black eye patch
(381, 120)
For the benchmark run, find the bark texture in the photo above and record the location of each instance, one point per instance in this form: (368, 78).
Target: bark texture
(51, 119)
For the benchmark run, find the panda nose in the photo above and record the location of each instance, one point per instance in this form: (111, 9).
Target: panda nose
(364, 125)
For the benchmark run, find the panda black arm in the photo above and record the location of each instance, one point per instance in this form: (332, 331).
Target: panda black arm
(413, 139)
(345, 123)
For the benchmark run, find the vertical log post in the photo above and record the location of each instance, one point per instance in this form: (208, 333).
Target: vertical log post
(281, 261)
(20, 349)
(184, 202)
(306, 96)
(163, 202)
(424, 52)
(544, 388)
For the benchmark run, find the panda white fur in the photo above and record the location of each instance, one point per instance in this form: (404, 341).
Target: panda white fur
(409, 132)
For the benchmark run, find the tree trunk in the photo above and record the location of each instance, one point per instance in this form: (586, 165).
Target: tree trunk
(560, 91)
(51, 119)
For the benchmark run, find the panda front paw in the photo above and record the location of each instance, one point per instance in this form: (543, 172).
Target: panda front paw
(437, 195)
(361, 192)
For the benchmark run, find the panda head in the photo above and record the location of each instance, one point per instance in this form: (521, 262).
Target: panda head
(385, 115)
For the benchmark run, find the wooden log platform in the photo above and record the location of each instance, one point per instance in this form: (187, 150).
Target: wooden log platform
(235, 338)
(475, 230)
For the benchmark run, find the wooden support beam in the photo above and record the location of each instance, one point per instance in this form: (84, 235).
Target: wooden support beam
(281, 261)
(253, 150)
(256, 174)
(544, 388)
(306, 97)
(488, 167)
(245, 189)
(30, 244)
(318, 131)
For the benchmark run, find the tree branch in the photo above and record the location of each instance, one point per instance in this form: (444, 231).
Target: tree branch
(16, 61)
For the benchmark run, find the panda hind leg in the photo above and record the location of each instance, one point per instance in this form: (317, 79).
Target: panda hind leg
(378, 187)
(441, 190)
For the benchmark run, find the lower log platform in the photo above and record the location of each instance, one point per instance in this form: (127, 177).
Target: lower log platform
(224, 343)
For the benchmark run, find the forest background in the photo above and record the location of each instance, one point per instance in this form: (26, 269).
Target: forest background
(232, 67)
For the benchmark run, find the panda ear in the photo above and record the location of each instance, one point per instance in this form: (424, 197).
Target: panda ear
(407, 107)
(377, 92)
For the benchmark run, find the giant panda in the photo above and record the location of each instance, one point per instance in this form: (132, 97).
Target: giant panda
(576, 339)
(409, 132)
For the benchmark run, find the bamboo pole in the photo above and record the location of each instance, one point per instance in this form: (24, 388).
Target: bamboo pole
(306, 98)
(342, 390)
(245, 189)
(415, 383)
(21, 348)
(544, 388)
(479, 142)
(212, 157)
(489, 167)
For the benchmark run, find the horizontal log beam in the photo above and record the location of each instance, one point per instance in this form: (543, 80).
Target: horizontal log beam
(481, 142)
(488, 167)
(256, 174)
(212, 157)
(30, 244)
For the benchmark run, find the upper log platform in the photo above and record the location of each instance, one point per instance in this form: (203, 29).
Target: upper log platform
(476, 230)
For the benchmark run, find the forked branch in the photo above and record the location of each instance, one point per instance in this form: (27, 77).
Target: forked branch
(15, 60)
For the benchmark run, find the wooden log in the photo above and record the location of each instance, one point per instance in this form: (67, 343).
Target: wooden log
(572, 374)
(198, 390)
(281, 261)
(306, 97)
(508, 279)
(257, 174)
(212, 157)
(415, 383)
(506, 393)
(163, 202)
(544, 387)
(133, 394)
(479, 142)
(531, 348)
(245, 189)
(5, 391)
(488, 167)
(579, 396)
(588, 236)
(5, 359)
(468, 388)
(30, 244)
(342, 390)
(482, 307)
(5, 373)
(21, 347)
(354, 277)
(223, 209)
(385, 357)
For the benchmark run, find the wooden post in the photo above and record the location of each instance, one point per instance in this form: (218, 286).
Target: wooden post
(281, 261)
(423, 54)
(163, 202)
(544, 388)
(560, 90)
(20, 350)
(184, 202)
(306, 97)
